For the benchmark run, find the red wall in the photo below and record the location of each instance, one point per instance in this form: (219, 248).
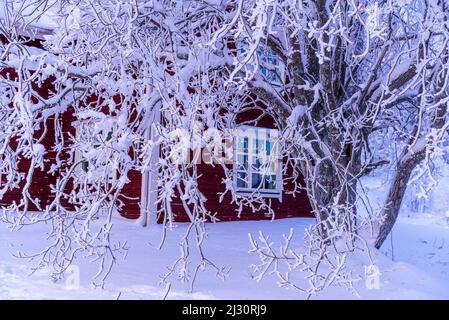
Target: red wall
(42, 180)
(131, 196)
(210, 182)
(40, 187)
(211, 185)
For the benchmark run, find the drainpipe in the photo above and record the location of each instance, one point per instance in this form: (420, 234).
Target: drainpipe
(148, 207)
(144, 193)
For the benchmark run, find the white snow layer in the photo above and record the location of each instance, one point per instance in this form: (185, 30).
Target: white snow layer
(419, 270)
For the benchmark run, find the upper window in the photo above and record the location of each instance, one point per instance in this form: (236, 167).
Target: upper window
(257, 164)
(270, 67)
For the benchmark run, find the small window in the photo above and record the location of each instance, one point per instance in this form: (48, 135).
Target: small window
(257, 164)
(270, 67)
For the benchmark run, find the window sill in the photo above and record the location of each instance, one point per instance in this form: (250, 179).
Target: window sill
(263, 193)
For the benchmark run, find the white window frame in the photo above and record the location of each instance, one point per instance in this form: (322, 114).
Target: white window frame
(271, 66)
(79, 157)
(278, 67)
(252, 133)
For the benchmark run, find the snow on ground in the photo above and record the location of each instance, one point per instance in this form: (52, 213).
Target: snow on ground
(419, 270)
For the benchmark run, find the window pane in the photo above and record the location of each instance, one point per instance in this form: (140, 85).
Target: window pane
(273, 147)
(256, 180)
(242, 180)
(265, 168)
(242, 162)
(242, 145)
(258, 146)
(256, 163)
(273, 166)
(268, 147)
(270, 182)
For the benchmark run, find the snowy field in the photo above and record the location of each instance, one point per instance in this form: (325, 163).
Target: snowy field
(420, 269)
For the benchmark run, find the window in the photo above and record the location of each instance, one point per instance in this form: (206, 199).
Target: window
(256, 161)
(270, 67)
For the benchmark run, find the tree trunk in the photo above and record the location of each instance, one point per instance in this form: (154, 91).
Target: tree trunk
(402, 175)
(395, 197)
(330, 191)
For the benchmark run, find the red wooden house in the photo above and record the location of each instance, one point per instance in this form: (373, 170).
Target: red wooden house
(249, 145)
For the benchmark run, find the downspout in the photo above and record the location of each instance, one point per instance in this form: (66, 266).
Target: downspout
(144, 193)
(148, 196)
